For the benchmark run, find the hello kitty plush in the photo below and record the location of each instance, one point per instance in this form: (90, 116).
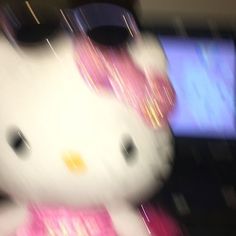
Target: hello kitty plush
(73, 161)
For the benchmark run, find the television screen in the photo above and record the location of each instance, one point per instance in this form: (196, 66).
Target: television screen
(203, 74)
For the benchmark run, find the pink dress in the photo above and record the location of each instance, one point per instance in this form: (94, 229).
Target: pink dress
(159, 223)
(45, 221)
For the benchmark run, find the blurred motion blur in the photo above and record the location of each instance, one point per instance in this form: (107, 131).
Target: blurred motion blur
(76, 157)
(148, 66)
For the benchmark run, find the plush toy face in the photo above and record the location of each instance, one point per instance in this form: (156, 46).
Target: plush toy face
(63, 144)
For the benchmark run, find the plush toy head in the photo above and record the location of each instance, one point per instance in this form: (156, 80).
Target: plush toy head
(61, 143)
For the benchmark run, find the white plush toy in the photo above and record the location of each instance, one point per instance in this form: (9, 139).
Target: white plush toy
(72, 160)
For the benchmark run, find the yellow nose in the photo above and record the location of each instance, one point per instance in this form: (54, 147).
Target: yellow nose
(74, 162)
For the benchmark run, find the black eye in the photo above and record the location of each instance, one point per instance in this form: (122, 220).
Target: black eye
(129, 149)
(18, 142)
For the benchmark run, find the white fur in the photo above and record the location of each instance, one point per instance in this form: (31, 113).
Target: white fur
(44, 96)
(11, 217)
(147, 54)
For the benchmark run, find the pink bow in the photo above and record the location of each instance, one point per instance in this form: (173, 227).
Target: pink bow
(114, 71)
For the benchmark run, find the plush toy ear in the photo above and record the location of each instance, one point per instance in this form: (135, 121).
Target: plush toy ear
(136, 75)
(29, 23)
